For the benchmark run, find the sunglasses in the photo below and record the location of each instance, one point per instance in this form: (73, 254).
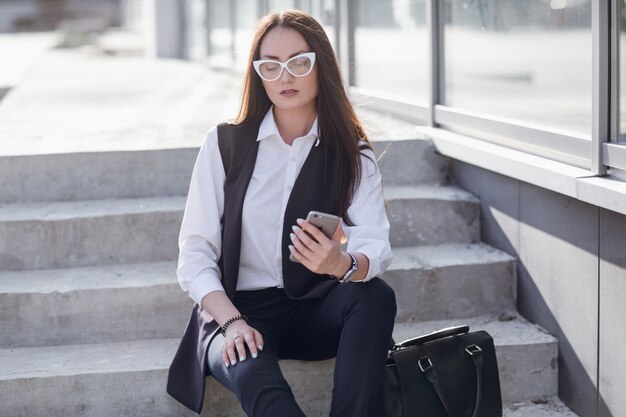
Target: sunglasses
(298, 66)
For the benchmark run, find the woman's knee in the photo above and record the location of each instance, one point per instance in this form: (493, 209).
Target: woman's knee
(376, 295)
(252, 375)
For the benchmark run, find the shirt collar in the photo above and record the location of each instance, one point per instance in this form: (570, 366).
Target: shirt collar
(268, 127)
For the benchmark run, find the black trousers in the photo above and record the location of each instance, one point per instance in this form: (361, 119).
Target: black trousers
(353, 323)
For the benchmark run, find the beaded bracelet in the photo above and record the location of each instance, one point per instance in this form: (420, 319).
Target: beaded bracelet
(231, 321)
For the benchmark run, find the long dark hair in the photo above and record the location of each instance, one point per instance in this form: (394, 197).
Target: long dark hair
(339, 127)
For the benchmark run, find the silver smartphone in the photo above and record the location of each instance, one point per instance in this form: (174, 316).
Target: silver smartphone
(327, 223)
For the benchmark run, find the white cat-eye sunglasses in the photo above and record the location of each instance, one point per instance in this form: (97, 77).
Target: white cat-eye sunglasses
(298, 66)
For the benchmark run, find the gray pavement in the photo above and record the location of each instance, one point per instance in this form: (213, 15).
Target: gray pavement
(85, 100)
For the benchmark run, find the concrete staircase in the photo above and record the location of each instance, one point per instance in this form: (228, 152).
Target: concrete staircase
(91, 311)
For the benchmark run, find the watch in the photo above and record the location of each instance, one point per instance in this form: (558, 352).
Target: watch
(353, 270)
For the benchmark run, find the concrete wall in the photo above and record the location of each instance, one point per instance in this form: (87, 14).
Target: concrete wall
(571, 280)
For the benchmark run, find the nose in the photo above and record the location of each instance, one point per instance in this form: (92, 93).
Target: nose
(286, 75)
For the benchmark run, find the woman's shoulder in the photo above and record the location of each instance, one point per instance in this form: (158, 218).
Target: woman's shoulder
(368, 158)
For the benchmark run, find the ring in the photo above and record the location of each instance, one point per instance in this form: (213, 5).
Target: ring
(236, 335)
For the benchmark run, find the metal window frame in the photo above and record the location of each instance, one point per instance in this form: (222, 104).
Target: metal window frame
(601, 75)
(559, 145)
(613, 154)
(408, 110)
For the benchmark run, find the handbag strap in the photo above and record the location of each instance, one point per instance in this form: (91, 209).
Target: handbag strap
(426, 366)
(431, 375)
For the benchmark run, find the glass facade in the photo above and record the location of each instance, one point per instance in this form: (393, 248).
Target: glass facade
(391, 48)
(518, 72)
(221, 36)
(278, 5)
(246, 16)
(527, 60)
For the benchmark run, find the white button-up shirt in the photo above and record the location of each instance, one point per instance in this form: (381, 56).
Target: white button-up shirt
(275, 172)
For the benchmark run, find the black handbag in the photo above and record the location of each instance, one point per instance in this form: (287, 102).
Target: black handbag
(447, 373)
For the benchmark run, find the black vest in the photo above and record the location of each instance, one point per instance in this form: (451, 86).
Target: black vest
(312, 190)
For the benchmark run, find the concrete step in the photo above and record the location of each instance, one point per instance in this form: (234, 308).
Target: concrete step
(429, 215)
(552, 407)
(129, 378)
(103, 175)
(139, 173)
(118, 303)
(410, 161)
(451, 281)
(89, 232)
(104, 232)
(99, 304)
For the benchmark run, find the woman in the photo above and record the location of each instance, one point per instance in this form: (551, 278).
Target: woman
(295, 146)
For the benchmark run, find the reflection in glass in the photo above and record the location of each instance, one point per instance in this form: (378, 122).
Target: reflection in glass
(196, 30)
(524, 59)
(220, 33)
(278, 5)
(246, 15)
(391, 47)
(248, 12)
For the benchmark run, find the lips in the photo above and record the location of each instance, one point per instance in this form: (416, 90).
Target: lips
(288, 93)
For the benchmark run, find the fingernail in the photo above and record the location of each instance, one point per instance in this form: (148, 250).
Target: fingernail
(233, 362)
(254, 355)
(227, 364)
(292, 235)
(241, 358)
(261, 347)
(290, 247)
(299, 221)
(295, 228)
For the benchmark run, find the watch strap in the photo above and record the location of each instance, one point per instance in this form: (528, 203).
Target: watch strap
(350, 272)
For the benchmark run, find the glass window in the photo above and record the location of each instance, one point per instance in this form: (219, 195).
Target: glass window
(278, 5)
(324, 12)
(197, 30)
(247, 15)
(524, 59)
(391, 47)
(220, 32)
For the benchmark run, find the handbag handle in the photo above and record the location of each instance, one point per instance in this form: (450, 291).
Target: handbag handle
(476, 353)
(439, 334)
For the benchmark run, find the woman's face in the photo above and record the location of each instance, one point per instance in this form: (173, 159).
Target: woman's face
(288, 92)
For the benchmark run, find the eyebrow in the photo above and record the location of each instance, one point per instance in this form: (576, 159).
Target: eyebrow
(290, 56)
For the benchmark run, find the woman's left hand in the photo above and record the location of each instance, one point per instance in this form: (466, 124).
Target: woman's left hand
(314, 250)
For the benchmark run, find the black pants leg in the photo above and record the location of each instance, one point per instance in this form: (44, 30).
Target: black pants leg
(353, 322)
(259, 383)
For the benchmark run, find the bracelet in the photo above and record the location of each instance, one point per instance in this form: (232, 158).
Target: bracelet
(231, 321)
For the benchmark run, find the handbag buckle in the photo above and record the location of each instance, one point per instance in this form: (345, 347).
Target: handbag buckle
(422, 359)
(473, 349)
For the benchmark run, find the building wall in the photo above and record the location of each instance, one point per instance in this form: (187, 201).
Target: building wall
(571, 280)
(36, 15)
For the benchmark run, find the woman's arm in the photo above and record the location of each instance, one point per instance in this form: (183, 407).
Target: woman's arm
(368, 239)
(200, 243)
(222, 309)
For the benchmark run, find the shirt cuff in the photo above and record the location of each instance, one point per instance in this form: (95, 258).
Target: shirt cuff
(374, 266)
(203, 285)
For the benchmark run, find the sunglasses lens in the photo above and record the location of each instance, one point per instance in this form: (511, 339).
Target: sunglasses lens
(269, 70)
(299, 66)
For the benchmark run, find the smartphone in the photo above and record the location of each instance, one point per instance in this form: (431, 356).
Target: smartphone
(327, 223)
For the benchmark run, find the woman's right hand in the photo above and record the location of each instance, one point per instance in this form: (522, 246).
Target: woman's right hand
(237, 336)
